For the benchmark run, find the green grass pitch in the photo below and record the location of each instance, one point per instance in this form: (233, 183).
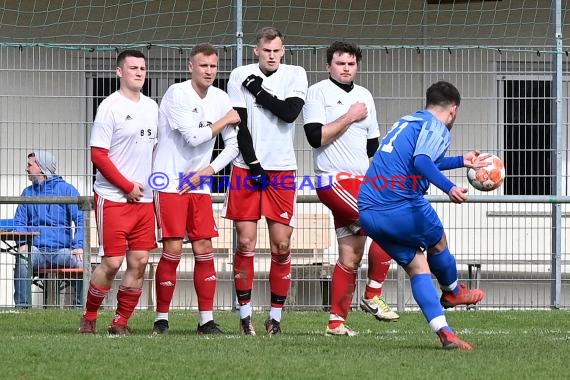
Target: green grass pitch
(518, 345)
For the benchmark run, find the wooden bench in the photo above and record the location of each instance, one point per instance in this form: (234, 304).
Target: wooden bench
(475, 266)
(52, 279)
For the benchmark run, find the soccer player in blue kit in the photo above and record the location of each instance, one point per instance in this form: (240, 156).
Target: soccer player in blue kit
(396, 215)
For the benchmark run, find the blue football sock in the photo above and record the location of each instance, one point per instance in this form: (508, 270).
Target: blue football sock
(444, 268)
(426, 296)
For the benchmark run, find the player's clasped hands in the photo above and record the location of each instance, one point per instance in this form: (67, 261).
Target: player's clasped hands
(136, 194)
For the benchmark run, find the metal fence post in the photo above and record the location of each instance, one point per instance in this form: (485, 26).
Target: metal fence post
(85, 204)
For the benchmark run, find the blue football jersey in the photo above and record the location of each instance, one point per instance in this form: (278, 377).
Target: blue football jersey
(392, 177)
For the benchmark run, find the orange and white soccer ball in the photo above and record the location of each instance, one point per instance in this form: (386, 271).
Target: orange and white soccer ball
(488, 178)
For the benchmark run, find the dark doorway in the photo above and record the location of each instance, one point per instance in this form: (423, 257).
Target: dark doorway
(527, 132)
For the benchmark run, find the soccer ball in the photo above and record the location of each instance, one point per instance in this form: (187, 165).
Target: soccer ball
(488, 178)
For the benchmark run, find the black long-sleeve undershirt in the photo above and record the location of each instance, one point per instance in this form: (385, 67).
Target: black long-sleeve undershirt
(287, 110)
(245, 142)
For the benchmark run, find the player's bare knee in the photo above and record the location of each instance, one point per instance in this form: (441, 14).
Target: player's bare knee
(108, 268)
(349, 258)
(139, 263)
(246, 244)
(283, 247)
(135, 273)
(350, 264)
(201, 247)
(172, 246)
(143, 263)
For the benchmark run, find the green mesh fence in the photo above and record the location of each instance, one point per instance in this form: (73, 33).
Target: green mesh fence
(105, 24)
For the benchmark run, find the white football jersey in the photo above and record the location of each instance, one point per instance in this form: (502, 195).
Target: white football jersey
(182, 108)
(325, 103)
(128, 130)
(272, 137)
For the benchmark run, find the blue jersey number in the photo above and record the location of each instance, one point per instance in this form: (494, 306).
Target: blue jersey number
(395, 131)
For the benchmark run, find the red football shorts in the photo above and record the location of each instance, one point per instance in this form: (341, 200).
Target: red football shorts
(276, 201)
(184, 215)
(342, 199)
(124, 227)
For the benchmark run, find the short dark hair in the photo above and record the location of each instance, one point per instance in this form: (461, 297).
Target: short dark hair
(343, 47)
(268, 33)
(442, 94)
(31, 155)
(205, 48)
(128, 53)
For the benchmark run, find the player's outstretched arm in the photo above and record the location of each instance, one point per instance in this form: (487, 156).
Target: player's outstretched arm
(448, 163)
(473, 159)
(426, 167)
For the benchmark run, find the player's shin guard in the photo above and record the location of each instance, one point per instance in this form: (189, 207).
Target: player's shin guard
(127, 300)
(343, 284)
(243, 276)
(426, 297)
(205, 280)
(165, 281)
(378, 266)
(444, 268)
(279, 278)
(95, 297)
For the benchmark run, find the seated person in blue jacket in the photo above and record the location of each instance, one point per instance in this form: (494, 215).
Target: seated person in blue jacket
(58, 245)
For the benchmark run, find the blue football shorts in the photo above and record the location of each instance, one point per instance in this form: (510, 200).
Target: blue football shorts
(403, 229)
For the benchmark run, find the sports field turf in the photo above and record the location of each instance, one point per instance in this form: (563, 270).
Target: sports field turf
(42, 344)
